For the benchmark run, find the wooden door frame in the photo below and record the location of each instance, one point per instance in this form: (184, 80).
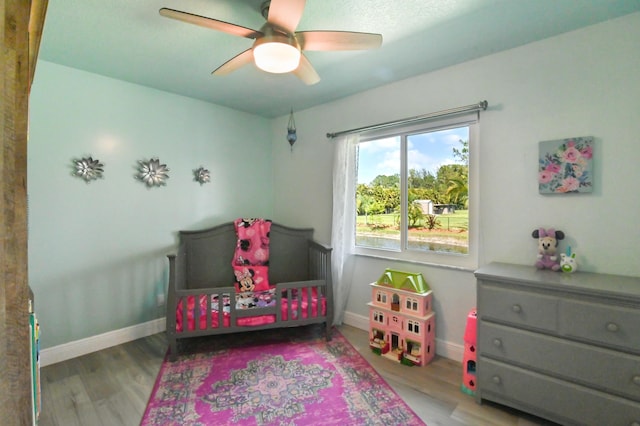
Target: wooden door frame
(21, 24)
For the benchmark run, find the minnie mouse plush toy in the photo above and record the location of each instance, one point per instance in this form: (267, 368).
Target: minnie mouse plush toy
(547, 245)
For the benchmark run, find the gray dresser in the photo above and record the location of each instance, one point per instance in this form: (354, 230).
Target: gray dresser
(565, 347)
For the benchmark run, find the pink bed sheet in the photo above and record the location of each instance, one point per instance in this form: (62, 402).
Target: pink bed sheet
(245, 321)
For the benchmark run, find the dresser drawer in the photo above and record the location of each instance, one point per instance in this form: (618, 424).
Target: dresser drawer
(599, 323)
(553, 398)
(589, 365)
(516, 307)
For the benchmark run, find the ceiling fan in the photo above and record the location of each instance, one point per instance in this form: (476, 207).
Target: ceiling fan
(278, 47)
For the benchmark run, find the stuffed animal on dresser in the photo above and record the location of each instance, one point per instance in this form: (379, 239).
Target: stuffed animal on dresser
(568, 262)
(547, 246)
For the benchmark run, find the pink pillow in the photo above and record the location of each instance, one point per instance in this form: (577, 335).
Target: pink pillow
(251, 278)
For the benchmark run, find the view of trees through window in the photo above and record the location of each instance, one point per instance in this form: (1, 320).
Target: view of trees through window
(428, 169)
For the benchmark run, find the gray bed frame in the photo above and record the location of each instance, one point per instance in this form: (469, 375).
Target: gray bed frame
(202, 266)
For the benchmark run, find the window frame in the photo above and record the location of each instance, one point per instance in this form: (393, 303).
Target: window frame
(413, 326)
(378, 316)
(468, 261)
(412, 304)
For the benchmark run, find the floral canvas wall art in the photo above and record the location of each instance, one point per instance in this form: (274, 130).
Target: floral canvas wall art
(565, 166)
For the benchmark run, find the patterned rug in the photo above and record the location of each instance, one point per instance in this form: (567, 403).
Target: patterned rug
(275, 377)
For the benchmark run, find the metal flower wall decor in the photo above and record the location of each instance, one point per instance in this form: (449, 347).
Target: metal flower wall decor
(88, 169)
(152, 173)
(201, 175)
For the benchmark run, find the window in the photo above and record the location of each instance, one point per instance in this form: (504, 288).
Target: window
(381, 297)
(412, 304)
(378, 317)
(395, 302)
(414, 326)
(414, 192)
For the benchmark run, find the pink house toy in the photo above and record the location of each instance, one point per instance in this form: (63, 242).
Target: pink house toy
(402, 324)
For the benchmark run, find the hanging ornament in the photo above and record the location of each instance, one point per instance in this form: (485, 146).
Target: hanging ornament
(291, 130)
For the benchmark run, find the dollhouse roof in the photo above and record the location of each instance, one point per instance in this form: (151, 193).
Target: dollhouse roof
(404, 281)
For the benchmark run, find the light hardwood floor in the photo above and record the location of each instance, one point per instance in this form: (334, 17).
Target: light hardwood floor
(111, 387)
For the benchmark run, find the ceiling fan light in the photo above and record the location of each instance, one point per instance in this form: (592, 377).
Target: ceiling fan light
(276, 56)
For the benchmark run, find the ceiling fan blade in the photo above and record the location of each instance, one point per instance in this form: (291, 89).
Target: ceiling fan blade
(210, 23)
(234, 63)
(305, 71)
(285, 14)
(338, 40)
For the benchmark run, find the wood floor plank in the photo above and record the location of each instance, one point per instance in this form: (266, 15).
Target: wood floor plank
(108, 412)
(112, 387)
(438, 413)
(100, 384)
(69, 402)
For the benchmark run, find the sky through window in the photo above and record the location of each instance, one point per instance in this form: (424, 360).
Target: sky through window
(427, 151)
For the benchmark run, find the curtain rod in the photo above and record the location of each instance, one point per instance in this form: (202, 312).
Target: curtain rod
(469, 108)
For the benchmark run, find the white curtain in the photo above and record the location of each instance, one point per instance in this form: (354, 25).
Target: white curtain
(344, 217)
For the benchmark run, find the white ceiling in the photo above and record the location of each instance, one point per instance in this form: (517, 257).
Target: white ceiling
(130, 41)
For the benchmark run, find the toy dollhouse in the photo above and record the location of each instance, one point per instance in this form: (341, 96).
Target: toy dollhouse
(401, 322)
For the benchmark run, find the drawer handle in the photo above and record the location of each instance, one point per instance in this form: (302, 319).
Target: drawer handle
(516, 308)
(612, 327)
(636, 380)
(498, 343)
(496, 379)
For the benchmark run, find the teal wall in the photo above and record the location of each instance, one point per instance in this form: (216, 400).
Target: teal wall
(97, 250)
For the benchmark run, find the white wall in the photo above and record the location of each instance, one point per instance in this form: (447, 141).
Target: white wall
(583, 83)
(97, 250)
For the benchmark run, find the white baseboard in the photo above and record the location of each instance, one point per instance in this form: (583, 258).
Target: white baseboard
(445, 349)
(91, 344)
(85, 346)
(355, 320)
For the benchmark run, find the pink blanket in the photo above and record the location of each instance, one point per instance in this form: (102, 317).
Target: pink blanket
(251, 256)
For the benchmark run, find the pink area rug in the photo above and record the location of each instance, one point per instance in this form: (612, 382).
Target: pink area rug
(276, 377)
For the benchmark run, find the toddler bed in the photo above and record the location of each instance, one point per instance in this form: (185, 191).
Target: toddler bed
(250, 274)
